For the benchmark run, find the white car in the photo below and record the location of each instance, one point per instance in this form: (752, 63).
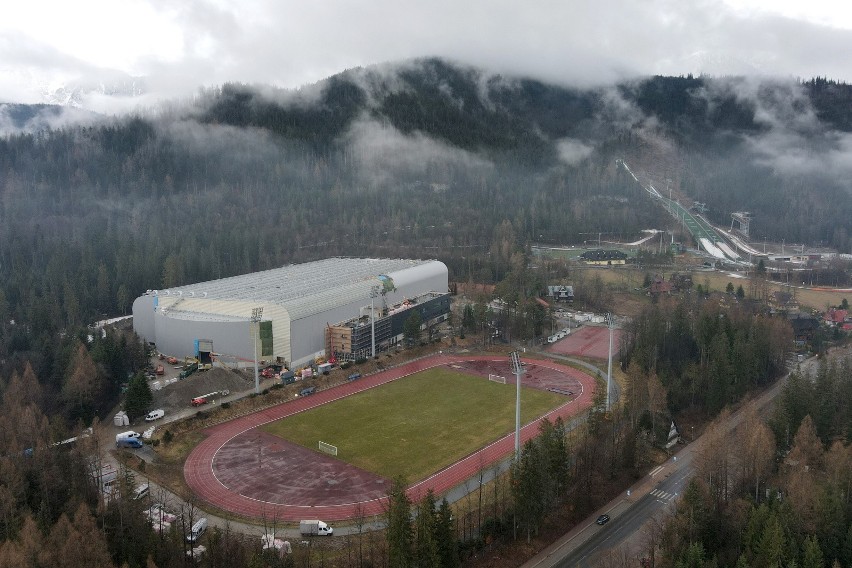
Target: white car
(155, 415)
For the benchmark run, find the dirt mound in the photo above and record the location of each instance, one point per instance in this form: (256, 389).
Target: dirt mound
(178, 394)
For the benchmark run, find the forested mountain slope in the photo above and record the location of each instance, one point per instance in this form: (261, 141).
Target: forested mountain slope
(422, 159)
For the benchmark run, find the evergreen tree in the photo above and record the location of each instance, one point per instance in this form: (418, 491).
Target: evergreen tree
(812, 554)
(426, 553)
(468, 319)
(139, 397)
(399, 536)
(445, 537)
(411, 327)
(770, 548)
(529, 487)
(693, 556)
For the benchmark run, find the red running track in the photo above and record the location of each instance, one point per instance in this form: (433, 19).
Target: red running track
(587, 341)
(200, 468)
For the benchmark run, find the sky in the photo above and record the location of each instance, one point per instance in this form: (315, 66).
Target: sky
(179, 46)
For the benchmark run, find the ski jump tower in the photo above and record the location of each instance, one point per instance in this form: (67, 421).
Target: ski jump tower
(742, 218)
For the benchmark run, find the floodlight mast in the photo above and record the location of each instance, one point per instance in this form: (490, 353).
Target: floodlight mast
(256, 314)
(374, 293)
(610, 323)
(516, 368)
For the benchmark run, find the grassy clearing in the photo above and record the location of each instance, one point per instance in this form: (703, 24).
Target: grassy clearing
(416, 425)
(717, 281)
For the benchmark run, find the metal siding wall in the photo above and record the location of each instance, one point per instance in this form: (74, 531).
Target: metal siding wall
(177, 336)
(308, 333)
(143, 317)
(437, 280)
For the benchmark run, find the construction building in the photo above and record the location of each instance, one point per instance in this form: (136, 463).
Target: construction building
(354, 339)
(281, 315)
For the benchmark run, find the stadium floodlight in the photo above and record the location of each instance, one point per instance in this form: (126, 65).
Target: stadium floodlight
(517, 369)
(256, 314)
(610, 323)
(374, 293)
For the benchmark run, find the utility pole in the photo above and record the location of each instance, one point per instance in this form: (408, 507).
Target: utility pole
(256, 314)
(517, 369)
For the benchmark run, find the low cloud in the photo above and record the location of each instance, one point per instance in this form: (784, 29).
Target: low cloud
(239, 145)
(792, 140)
(17, 120)
(571, 152)
(383, 154)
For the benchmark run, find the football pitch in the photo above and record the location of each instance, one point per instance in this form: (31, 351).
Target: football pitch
(416, 425)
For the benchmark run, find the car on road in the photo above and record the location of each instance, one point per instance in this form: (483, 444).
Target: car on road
(603, 519)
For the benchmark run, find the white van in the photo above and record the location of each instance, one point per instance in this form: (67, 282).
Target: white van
(155, 415)
(126, 435)
(197, 530)
(141, 491)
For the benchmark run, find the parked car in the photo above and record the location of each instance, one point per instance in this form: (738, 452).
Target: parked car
(307, 391)
(603, 519)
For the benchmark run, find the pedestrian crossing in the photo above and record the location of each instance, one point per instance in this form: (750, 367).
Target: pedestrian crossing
(662, 495)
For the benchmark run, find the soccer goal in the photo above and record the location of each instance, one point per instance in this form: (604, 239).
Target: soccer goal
(497, 378)
(328, 448)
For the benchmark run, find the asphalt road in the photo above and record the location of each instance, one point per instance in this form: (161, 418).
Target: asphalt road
(587, 543)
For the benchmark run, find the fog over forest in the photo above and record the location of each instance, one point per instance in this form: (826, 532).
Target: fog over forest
(424, 158)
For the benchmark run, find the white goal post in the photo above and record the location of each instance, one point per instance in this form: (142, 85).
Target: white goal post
(497, 379)
(327, 448)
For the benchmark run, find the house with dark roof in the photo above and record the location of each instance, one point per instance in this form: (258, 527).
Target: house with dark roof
(782, 301)
(561, 293)
(660, 286)
(804, 327)
(603, 257)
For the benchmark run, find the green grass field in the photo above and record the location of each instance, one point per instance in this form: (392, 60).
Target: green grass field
(416, 425)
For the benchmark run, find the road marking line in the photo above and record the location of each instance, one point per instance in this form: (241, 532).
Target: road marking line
(656, 470)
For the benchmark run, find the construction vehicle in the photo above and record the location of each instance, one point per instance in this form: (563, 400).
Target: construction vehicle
(205, 398)
(188, 369)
